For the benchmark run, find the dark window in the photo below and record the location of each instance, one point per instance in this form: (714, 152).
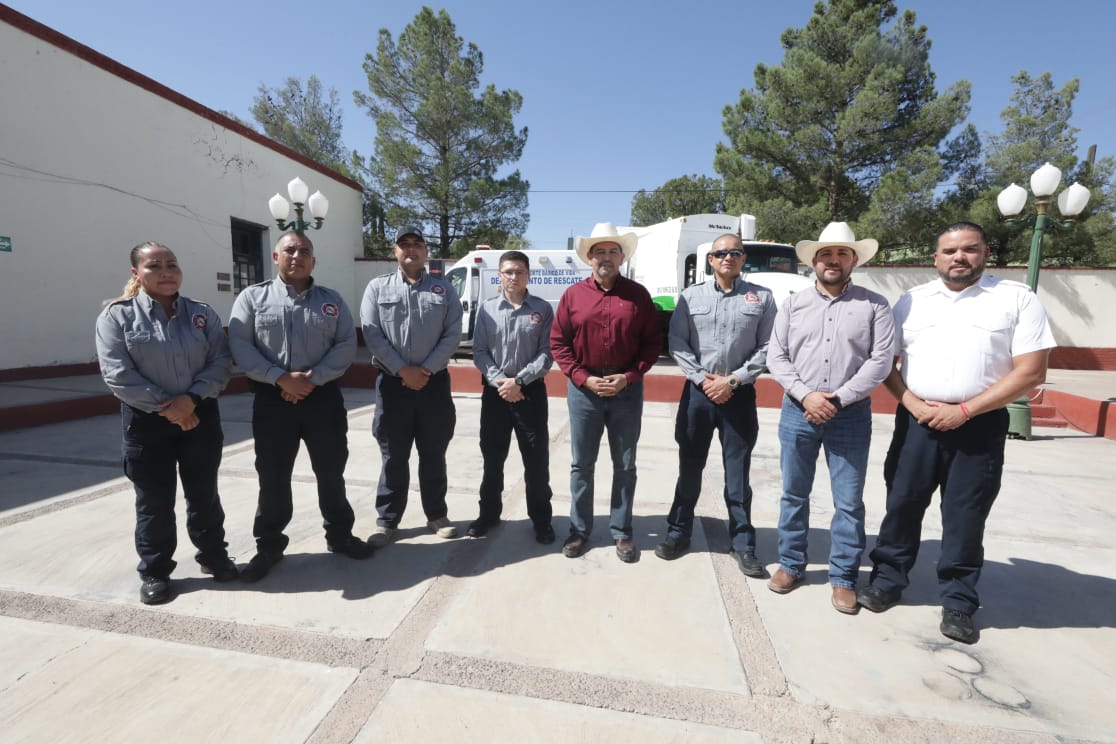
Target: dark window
(247, 253)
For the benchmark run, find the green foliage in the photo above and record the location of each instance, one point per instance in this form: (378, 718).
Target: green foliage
(309, 122)
(678, 197)
(1037, 130)
(305, 120)
(441, 139)
(852, 102)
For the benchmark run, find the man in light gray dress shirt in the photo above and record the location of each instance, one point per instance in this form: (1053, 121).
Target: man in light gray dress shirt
(718, 336)
(832, 346)
(412, 326)
(294, 338)
(511, 348)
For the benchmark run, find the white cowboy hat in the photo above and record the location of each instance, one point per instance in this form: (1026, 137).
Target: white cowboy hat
(837, 234)
(605, 232)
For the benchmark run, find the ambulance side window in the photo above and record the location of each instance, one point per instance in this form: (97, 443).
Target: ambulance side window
(456, 278)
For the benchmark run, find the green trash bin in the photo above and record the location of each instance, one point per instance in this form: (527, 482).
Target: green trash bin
(1019, 418)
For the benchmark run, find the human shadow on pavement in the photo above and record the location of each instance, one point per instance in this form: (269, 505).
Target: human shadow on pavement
(1030, 594)
(399, 566)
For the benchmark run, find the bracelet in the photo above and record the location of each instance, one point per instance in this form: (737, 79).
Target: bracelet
(965, 410)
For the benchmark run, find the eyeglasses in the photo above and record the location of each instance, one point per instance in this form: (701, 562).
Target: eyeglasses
(734, 253)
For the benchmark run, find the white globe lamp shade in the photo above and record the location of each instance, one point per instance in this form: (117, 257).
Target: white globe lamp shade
(279, 207)
(298, 191)
(1045, 180)
(318, 204)
(1073, 200)
(1011, 200)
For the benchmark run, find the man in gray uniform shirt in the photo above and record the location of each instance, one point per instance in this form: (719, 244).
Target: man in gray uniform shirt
(718, 336)
(832, 346)
(293, 339)
(511, 348)
(412, 326)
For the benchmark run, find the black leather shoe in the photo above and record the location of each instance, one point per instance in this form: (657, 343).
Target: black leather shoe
(260, 565)
(544, 535)
(749, 564)
(154, 590)
(958, 626)
(352, 547)
(626, 550)
(672, 547)
(221, 571)
(877, 600)
(480, 527)
(574, 546)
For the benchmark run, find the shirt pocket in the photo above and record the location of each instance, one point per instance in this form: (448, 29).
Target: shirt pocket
(324, 325)
(142, 346)
(992, 333)
(389, 305)
(269, 329)
(432, 303)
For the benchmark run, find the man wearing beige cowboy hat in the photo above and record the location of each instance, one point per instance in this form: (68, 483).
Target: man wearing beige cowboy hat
(831, 347)
(605, 337)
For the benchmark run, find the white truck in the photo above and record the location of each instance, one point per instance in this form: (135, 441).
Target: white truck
(672, 256)
(475, 277)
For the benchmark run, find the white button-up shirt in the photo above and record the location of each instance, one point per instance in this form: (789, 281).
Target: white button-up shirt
(955, 345)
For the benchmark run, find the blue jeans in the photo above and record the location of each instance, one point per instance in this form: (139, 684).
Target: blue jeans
(845, 438)
(736, 421)
(590, 415)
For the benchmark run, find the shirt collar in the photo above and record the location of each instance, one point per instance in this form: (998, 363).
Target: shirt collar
(151, 306)
(291, 291)
(981, 285)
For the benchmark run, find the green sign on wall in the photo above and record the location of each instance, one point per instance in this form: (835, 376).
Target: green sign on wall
(5, 244)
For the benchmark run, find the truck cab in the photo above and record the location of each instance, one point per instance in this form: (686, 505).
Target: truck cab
(475, 278)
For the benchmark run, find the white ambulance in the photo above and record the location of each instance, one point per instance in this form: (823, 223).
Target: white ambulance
(475, 277)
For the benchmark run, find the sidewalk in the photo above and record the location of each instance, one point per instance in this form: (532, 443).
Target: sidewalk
(501, 639)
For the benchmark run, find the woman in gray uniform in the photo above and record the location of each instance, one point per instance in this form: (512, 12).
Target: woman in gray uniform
(166, 358)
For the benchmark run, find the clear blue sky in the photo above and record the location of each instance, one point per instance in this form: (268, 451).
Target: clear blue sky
(618, 96)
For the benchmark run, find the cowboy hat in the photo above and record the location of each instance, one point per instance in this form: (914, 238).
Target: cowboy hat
(837, 234)
(605, 232)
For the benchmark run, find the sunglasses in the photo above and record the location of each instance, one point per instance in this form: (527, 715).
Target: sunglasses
(734, 253)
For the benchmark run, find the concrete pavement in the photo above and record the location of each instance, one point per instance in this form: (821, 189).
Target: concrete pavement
(501, 639)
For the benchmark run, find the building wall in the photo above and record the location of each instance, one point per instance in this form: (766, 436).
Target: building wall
(1078, 301)
(92, 163)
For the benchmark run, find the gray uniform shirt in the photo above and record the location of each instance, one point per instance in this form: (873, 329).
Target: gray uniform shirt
(147, 358)
(722, 333)
(410, 325)
(274, 330)
(843, 345)
(513, 342)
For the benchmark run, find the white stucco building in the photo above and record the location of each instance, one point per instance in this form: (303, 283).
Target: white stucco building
(95, 158)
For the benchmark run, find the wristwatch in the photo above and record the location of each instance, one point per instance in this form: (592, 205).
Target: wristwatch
(520, 381)
(734, 382)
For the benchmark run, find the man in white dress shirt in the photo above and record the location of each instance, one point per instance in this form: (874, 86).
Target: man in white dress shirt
(968, 344)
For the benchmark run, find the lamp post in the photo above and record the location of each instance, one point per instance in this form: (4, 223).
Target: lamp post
(1011, 201)
(298, 190)
(1044, 182)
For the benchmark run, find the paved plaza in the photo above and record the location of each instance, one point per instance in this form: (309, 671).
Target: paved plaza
(502, 639)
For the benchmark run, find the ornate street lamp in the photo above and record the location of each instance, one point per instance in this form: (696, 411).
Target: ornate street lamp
(1011, 201)
(1044, 182)
(298, 190)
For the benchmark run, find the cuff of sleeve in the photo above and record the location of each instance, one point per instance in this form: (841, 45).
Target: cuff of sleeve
(579, 377)
(274, 373)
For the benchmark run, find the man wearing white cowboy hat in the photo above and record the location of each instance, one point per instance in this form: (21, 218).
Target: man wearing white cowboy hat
(605, 337)
(832, 346)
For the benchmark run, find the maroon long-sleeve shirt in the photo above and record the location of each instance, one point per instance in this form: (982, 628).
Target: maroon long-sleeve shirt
(597, 332)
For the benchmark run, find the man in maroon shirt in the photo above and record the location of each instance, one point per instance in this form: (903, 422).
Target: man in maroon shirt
(605, 337)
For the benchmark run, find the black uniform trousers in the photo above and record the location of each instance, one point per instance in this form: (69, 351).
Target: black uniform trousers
(425, 418)
(966, 464)
(528, 419)
(154, 449)
(321, 422)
